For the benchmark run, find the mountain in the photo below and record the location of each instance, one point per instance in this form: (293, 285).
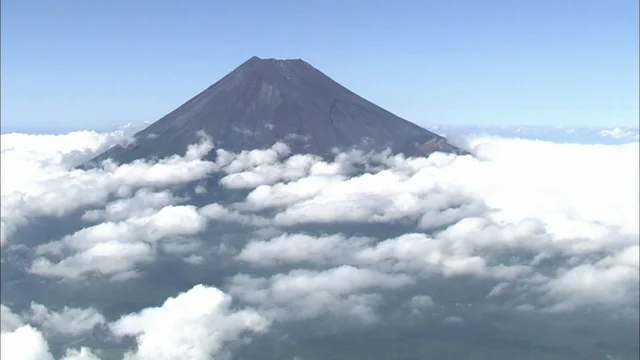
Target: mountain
(267, 100)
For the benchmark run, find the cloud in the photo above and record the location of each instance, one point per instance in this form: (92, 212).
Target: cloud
(248, 171)
(309, 293)
(419, 303)
(618, 133)
(114, 248)
(70, 321)
(80, 354)
(23, 341)
(515, 195)
(9, 320)
(197, 324)
(297, 248)
(498, 289)
(30, 158)
(559, 134)
(530, 224)
(218, 212)
(593, 284)
(143, 202)
(28, 197)
(194, 325)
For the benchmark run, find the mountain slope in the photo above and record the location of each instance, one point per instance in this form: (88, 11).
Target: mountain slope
(268, 100)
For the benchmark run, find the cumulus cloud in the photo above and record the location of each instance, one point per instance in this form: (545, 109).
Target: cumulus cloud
(420, 304)
(80, 354)
(24, 341)
(514, 195)
(9, 321)
(193, 325)
(541, 226)
(30, 159)
(593, 284)
(218, 212)
(308, 293)
(29, 196)
(618, 133)
(297, 248)
(114, 248)
(197, 324)
(69, 321)
(143, 202)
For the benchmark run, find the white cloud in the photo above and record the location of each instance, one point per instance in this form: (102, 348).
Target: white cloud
(69, 321)
(588, 284)
(28, 196)
(219, 212)
(250, 159)
(9, 321)
(196, 324)
(420, 302)
(296, 248)
(618, 133)
(516, 195)
(248, 176)
(555, 226)
(283, 194)
(422, 254)
(553, 182)
(143, 202)
(112, 248)
(309, 293)
(24, 343)
(32, 159)
(195, 259)
(498, 289)
(517, 179)
(81, 354)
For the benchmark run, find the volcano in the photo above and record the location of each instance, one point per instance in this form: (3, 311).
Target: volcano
(264, 101)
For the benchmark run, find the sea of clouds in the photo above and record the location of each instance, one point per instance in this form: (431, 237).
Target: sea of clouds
(548, 227)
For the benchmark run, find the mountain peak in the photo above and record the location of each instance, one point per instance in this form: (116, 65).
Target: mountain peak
(270, 64)
(264, 101)
(259, 59)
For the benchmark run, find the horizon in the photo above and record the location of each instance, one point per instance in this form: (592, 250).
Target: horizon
(544, 63)
(586, 135)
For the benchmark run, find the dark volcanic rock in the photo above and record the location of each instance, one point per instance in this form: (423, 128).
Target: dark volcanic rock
(268, 100)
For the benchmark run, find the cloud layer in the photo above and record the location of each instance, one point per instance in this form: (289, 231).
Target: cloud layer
(195, 324)
(538, 226)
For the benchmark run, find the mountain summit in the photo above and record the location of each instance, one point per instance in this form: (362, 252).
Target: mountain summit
(264, 101)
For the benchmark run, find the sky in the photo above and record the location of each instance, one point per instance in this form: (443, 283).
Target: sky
(69, 65)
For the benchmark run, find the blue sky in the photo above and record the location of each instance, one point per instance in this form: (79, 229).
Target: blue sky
(77, 64)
